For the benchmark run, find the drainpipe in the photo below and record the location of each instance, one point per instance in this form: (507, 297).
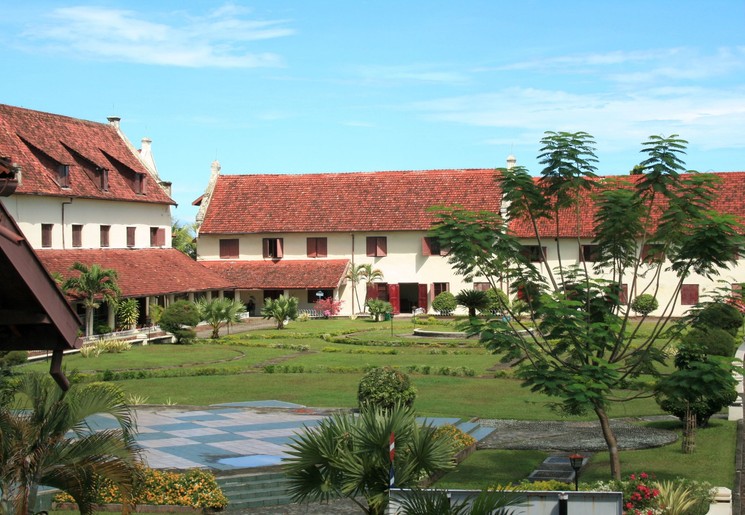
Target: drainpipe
(354, 289)
(63, 221)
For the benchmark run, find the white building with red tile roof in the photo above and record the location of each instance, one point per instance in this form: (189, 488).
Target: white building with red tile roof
(298, 234)
(86, 194)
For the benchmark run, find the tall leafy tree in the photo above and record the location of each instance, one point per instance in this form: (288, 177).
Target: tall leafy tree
(93, 285)
(46, 440)
(183, 238)
(218, 312)
(348, 456)
(578, 343)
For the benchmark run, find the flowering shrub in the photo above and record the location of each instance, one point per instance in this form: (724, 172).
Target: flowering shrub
(327, 307)
(640, 493)
(459, 439)
(195, 488)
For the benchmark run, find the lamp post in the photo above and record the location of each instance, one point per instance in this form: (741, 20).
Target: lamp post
(575, 460)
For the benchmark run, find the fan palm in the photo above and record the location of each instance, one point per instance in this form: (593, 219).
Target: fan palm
(437, 502)
(281, 309)
(217, 312)
(348, 456)
(93, 285)
(46, 440)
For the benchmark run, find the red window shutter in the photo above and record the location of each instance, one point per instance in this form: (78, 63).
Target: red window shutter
(311, 245)
(371, 245)
(229, 249)
(322, 247)
(623, 294)
(160, 237)
(423, 297)
(382, 246)
(426, 248)
(394, 297)
(105, 235)
(280, 252)
(77, 235)
(131, 236)
(265, 245)
(689, 294)
(46, 235)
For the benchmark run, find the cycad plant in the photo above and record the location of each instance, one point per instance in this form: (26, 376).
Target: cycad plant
(473, 300)
(46, 440)
(348, 455)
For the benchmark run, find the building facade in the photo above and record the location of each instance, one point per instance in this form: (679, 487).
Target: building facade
(299, 235)
(86, 194)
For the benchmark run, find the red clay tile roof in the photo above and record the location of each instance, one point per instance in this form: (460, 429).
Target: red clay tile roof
(142, 272)
(361, 201)
(731, 201)
(283, 274)
(40, 141)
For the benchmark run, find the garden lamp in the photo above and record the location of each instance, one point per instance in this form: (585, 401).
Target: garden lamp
(575, 460)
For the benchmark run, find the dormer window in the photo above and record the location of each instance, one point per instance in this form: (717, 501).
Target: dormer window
(63, 176)
(141, 184)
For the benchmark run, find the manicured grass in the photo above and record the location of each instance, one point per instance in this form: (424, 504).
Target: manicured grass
(713, 461)
(166, 356)
(490, 468)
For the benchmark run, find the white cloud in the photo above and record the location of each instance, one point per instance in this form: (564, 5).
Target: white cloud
(394, 75)
(218, 39)
(712, 118)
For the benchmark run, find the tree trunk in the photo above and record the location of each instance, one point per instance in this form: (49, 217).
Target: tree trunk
(89, 321)
(689, 432)
(611, 442)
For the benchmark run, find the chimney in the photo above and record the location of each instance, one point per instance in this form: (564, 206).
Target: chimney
(114, 121)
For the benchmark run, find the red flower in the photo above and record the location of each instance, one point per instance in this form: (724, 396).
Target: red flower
(644, 475)
(629, 505)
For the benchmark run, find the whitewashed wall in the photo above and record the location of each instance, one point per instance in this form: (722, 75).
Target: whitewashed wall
(31, 212)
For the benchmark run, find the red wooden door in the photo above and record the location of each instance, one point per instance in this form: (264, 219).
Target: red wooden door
(394, 297)
(422, 302)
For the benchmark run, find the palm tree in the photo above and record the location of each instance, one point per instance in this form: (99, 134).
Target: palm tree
(361, 273)
(217, 312)
(348, 456)
(438, 502)
(46, 440)
(93, 285)
(282, 309)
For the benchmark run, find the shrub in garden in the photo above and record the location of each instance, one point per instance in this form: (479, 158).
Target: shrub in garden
(444, 303)
(714, 341)
(644, 304)
(498, 300)
(196, 488)
(385, 387)
(719, 315)
(458, 438)
(179, 319)
(327, 307)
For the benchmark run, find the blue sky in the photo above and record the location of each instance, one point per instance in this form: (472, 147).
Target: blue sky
(302, 86)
